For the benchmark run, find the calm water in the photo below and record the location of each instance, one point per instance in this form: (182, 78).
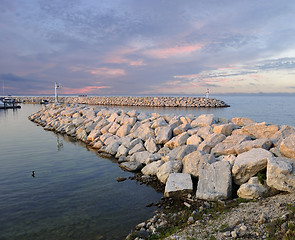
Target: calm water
(74, 194)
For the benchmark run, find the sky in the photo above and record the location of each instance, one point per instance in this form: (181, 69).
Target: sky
(147, 47)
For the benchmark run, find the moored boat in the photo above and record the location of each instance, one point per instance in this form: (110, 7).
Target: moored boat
(8, 102)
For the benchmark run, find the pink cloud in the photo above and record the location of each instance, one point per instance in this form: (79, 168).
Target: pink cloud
(173, 51)
(100, 71)
(88, 89)
(121, 60)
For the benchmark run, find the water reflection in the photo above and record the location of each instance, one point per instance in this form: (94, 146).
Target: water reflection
(59, 143)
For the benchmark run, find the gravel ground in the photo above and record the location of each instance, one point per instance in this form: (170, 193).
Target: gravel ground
(251, 220)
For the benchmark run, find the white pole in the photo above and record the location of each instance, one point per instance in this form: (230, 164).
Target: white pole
(55, 90)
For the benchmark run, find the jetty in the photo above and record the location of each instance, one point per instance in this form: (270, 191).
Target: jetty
(148, 101)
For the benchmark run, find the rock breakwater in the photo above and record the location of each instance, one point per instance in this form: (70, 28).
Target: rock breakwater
(133, 101)
(256, 158)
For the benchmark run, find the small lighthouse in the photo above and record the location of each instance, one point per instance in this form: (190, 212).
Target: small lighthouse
(56, 86)
(207, 93)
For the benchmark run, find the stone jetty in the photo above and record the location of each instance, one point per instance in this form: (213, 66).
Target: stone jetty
(255, 159)
(133, 101)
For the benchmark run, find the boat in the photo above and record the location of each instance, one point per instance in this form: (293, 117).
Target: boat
(8, 102)
(44, 101)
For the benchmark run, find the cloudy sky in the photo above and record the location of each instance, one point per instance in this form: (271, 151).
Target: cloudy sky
(147, 47)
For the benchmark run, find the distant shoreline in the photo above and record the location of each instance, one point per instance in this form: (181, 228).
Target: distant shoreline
(199, 102)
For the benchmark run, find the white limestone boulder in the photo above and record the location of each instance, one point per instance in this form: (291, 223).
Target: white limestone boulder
(287, 147)
(160, 122)
(280, 174)
(194, 140)
(210, 142)
(152, 168)
(179, 153)
(131, 166)
(245, 146)
(242, 121)
(178, 184)
(253, 189)
(139, 147)
(123, 130)
(215, 182)
(195, 161)
(177, 141)
(168, 167)
(163, 134)
(260, 130)
(140, 157)
(284, 132)
(93, 135)
(203, 120)
(151, 145)
(249, 163)
(225, 129)
(181, 129)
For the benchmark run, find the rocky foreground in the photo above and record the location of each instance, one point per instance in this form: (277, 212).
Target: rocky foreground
(228, 158)
(133, 101)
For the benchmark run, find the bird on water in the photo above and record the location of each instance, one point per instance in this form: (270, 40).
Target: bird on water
(33, 173)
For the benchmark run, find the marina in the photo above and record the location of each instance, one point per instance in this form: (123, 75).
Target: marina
(9, 103)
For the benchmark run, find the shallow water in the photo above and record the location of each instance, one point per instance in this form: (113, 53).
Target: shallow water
(74, 194)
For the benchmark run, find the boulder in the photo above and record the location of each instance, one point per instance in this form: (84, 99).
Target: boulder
(164, 134)
(106, 128)
(177, 141)
(123, 130)
(203, 120)
(204, 132)
(210, 142)
(122, 151)
(215, 182)
(179, 153)
(284, 132)
(287, 147)
(168, 167)
(152, 168)
(195, 161)
(151, 145)
(93, 135)
(253, 189)
(249, 163)
(153, 157)
(260, 130)
(140, 157)
(280, 174)
(194, 140)
(112, 148)
(98, 145)
(178, 184)
(131, 144)
(229, 145)
(160, 122)
(181, 129)
(242, 121)
(225, 129)
(137, 148)
(245, 146)
(131, 166)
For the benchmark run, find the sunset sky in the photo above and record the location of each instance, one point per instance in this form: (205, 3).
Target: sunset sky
(147, 47)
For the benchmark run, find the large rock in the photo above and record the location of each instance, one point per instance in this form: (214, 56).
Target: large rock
(287, 147)
(112, 148)
(280, 174)
(131, 166)
(215, 182)
(160, 122)
(253, 189)
(181, 129)
(195, 161)
(113, 129)
(245, 146)
(164, 134)
(123, 130)
(140, 157)
(225, 129)
(152, 168)
(249, 163)
(178, 184)
(177, 141)
(260, 130)
(122, 151)
(242, 121)
(167, 168)
(229, 145)
(284, 132)
(137, 148)
(210, 142)
(194, 140)
(151, 145)
(180, 152)
(93, 135)
(203, 120)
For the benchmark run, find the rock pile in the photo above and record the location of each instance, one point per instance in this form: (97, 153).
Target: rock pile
(256, 158)
(133, 101)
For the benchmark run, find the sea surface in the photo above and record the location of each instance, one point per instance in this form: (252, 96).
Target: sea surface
(74, 194)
